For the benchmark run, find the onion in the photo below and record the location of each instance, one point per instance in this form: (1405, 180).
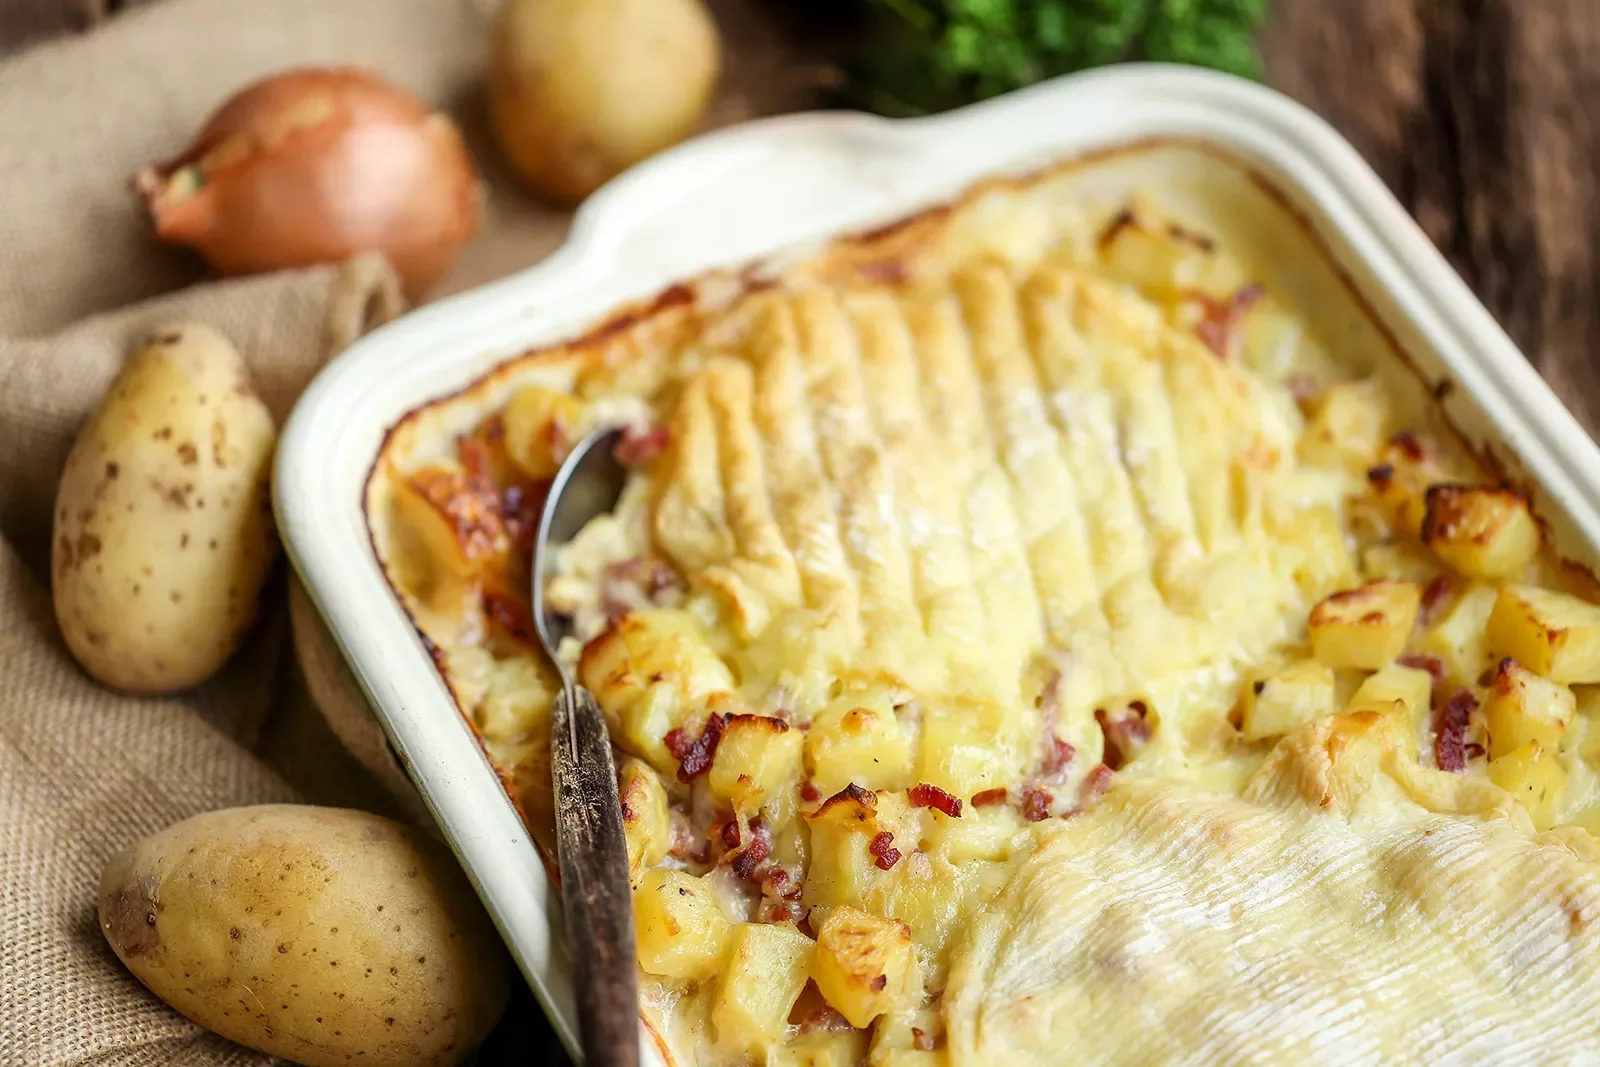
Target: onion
(314, 166)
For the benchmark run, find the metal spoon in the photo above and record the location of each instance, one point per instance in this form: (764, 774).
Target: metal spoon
(589, 840)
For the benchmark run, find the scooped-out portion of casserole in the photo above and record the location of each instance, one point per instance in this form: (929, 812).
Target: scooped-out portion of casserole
(1043, 631)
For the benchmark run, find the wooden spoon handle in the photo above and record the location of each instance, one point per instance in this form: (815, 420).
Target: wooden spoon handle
(594, 881)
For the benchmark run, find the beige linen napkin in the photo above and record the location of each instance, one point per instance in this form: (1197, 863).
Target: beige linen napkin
(83, 771)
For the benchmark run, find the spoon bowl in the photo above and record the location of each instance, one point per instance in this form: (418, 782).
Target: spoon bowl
(588, 485)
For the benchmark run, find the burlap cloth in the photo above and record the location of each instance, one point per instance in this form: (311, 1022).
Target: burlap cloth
(83, 772)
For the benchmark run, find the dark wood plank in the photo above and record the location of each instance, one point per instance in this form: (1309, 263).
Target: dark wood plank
(1481, 116)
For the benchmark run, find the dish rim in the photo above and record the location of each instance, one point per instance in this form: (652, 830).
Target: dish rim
(336, 433)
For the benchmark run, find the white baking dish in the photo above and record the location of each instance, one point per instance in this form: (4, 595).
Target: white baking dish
(751, 191)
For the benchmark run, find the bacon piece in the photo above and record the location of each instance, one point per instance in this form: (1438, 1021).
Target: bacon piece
(730, 833)
(521, 506)
(640, 446)
(1475, 751)
(921, 1039)
(822, 1017)
(989, 798)
(755, 852)
(678, 742)
(694, 757)
(511, 613)
(1409, 446)
(1057, 754)
(1434, 596)
(1125, 735)
(882, 847)
(1432, 664)
(1221, 320)
(1058, 757)
(473, 452)
(1095, 785)
(923, 795)
(1036, 805)
(809, 792)
(879, 982)
(1450, 718)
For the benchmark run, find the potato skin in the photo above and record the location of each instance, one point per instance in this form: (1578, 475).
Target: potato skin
(163, 531)
(320, 935)
(579, 90)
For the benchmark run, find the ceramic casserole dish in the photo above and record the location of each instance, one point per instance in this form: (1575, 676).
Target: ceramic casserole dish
(1349, 310)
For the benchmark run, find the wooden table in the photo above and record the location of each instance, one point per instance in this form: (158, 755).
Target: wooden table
(1480, 115)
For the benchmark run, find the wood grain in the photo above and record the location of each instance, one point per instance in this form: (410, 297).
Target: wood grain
(594, 881)
(1481, 116)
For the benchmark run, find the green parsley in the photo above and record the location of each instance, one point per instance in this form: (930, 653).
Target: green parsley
(936, 54)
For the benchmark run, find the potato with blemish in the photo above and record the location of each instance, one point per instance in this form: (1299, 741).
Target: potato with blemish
(323, 936)
(163, 532)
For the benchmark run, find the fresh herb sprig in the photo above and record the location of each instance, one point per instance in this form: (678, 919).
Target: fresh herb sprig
(936, 54)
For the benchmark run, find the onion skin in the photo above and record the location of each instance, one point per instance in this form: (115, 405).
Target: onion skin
(315, 166)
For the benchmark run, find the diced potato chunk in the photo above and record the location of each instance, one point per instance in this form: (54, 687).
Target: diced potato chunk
(897, 1031)
(1366, 627)
(652, 671)
(1156, 257)
(1457, 638)
(865, 965)
(1403, 692)
(842, 869)
(1279, 702)
(1348, 426)
(1534, 775)
(1481, 532)
(1400, 482)
(1523, 708)
(1410, 686)
(1391, 560)
(756, 757)
(766, 969)
(646, 822)
(456, 525)
(1552, 634)
(982, 833)
(679, 929)
(541, 424)
(965, 750)
(1326, 562)
(858, 739)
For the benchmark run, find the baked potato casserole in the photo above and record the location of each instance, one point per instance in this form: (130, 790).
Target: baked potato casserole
(1026, 634)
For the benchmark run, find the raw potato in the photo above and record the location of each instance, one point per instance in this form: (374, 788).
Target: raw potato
(163, 535)
(323, 936)
(580, 90)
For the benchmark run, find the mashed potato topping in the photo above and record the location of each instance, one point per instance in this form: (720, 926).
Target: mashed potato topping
(1023, 641)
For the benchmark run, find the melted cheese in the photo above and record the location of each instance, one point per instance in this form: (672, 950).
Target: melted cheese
(1350, 908)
